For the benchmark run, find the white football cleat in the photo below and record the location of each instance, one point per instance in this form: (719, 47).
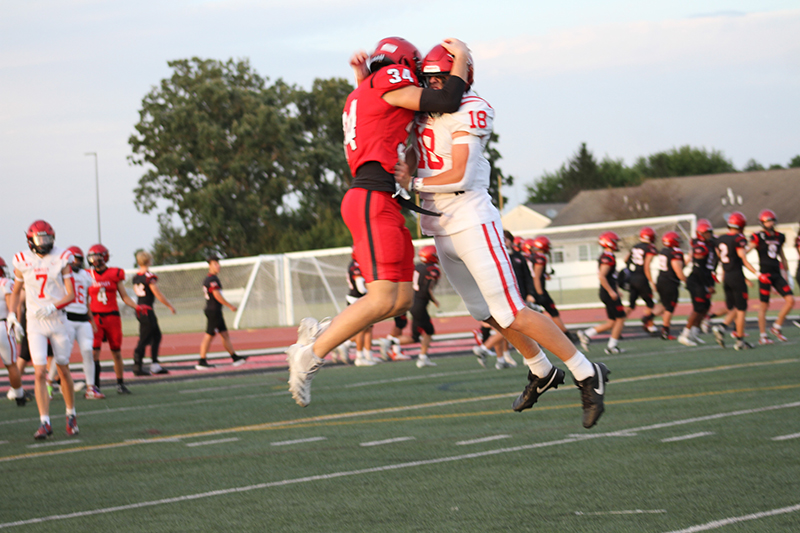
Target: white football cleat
(509, 360)
(686, 341)
(303, 364)
(423, 361)
(365, 361)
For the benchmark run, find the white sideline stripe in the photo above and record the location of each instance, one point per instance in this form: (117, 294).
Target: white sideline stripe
(631, 511)
(205, 442)
(227, 387)
(484, 439)
(386, 468)
(687, 437)
(782, 437)
(53, 443)
(387, 441)
(298, 441)
(728, 521)
(413, 378)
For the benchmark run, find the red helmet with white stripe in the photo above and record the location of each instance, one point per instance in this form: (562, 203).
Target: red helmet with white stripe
(737, 220)
(671, 239)
(766, 215)
(609, 240)
(77, 255)
(647, 234)
(394, 51)
(439, 62)
(427, 255)
(703, 227)
(542, 244)
(41, 237)
(98, 256)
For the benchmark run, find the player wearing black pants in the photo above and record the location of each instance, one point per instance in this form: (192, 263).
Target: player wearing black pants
(670, 265)
(640, 282)
(700, 284)
(145, 286)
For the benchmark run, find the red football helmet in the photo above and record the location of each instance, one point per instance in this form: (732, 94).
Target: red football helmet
(41, 237)
(703, 227)
(427, 255)
(2, 267)
(766, 215)
(647, 234)
(700, 250)
(527, 246)
(439, 62)
(671, 239)
(542, 244)
(77, 254)
(98, 256)
(609, 240)
(394, 51)
(517, 244)
(737, 220)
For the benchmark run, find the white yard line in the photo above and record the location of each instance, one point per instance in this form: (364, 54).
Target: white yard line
(738, 519)
(297, 441)
(631, 511)
(53, 443)
(787, 437)
(484, 439)
(688, 437)
(387, 441)
(414, 464)
(207, 442)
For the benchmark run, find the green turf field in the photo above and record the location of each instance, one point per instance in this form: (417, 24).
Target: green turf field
(690, 437)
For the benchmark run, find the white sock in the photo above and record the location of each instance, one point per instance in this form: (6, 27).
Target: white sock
(695, 331)
(423, 355)
(580, 367)
(539, 365)
(45, 419)
(686, 332)
(394, 340)
(20, 392)
(360, 354)
(777, 326)
(51, 372)
(612, 343)
(591, 332)
(71, 412)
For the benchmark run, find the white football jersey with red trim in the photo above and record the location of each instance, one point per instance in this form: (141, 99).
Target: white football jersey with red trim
(6, 287)
(80, 305)
(467, 203)
(42, 276)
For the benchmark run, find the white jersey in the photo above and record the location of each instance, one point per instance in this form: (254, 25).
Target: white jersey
(6, 287)
(80, 306)
(42, 276)
(467, 203)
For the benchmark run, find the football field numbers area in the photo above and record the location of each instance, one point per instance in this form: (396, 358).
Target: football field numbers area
(693, 439)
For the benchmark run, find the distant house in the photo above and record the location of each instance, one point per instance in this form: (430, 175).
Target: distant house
(531, 216)
(713, 197)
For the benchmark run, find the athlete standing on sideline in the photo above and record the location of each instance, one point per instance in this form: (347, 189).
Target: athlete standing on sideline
(774, 271)
(215, 322)
(8, 341)
(453, 179)
(44, 273)
(377, 119)
(609, 295)
(670, 266)
(641, 278)
(732, 251)
(538, 254)
(363, 339)
(145, 287)
(700, 283)
(107, 282)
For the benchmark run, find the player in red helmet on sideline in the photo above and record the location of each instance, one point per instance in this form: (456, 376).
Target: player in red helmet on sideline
(700, 282)
(44, 273)
(453, 177)
(670, 276)
(640, 281)
(609, 295)
(377, 118)
(732, 252)
(774, 267)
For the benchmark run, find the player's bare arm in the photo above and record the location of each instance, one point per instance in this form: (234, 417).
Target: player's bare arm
(160, 296)
(677, 266)
(124, 295)
(743, 255)
(69, 285)
(601, 274)
(358, 62)
(537, 278)
(221, 299)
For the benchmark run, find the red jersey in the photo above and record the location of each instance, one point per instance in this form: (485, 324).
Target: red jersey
(374, 130)
(103, 289)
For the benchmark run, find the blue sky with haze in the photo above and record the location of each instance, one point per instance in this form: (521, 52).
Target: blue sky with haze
(628, 78)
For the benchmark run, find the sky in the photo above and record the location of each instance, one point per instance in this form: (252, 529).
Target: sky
(627, 78)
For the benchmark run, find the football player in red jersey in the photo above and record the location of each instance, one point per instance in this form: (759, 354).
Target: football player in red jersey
(45, 275)
(774, 271)
(107, 282)
(609, 295)
(453, 178)
(377, 119)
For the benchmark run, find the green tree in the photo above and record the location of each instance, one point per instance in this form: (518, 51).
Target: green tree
(752, 165)
(795, 162)
(497, 176)
(684, 161)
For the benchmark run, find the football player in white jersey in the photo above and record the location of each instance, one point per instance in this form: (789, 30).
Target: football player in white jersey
(45, 275)
(8, 343)
(453, 179)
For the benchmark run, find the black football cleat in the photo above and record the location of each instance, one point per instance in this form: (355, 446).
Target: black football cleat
(593, 391)
(536, 387)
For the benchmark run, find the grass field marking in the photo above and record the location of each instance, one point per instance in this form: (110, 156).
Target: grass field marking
(484, 439)
(738, 519)
(688, 437)
(297, 441)
(207, 442)
(720, 368)
(413, 378)
(226, 387)
(716, 416)
(631, 511)
(386, 441)
(53, 443)
(787, 437)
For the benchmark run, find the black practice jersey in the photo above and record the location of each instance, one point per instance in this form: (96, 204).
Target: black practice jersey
(141, 288)
(769, 245)
(727, 246)
(211, 284)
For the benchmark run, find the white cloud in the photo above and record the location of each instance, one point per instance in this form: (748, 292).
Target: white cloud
(696, 42)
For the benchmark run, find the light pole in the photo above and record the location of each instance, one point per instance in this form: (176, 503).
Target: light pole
(97, 191)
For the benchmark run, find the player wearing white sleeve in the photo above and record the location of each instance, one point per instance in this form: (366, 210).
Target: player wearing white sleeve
(453, 179)
(45, 275)
(8, 342)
